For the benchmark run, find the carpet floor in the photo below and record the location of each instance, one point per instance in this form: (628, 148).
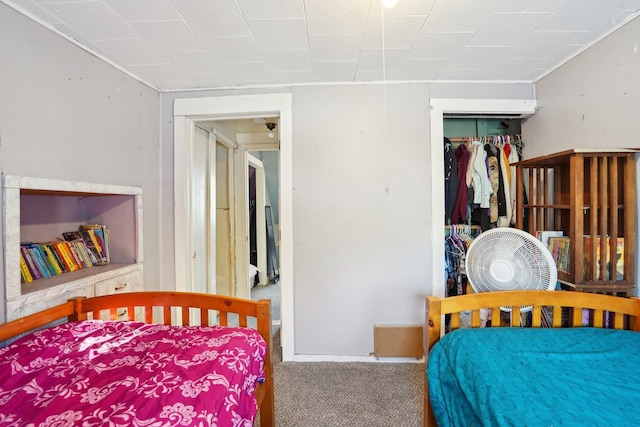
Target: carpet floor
(336, 394)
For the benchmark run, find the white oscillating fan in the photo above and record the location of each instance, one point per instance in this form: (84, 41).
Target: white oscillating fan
(508, 259)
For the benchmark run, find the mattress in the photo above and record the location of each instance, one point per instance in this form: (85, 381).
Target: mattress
(535, 377)
(131, 374)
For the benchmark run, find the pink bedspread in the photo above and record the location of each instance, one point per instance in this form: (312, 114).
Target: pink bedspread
(131, 374)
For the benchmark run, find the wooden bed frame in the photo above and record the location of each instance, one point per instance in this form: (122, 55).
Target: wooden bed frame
(621, 313)
(177, 308)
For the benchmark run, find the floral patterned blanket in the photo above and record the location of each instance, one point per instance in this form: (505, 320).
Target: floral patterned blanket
(94, 373)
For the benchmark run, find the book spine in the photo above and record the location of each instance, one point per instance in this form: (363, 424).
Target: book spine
(81, 249)
(63, 250)
(91, 254)
(74, 254)
(92, 243)
(107, 242)
(45, 260)
(35, 255)
(24, 270)
(53, 260)
(59, 258)
(30, 264)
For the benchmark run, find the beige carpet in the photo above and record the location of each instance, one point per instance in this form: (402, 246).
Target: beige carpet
(328, 394)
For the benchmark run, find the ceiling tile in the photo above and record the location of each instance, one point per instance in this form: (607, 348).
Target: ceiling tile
(573, 16)
(541, 44)
(369, 75)
(59, 1)
(528, 6)
(73, 34)
(131, 52)
(632, 5)
(438, 45)
(158, 73)
(272, 9)
(335, 48)
(233, 49)
(505, 29)
(459, 15)
(287, 60)
(456, 73)
(36, 10)
(226, 43)
(280, 34)
(507, 68)
(92, 19)
(195, 62)
(402, 8)
(399, 32)
(335, 71)
(470, 57)
(144, 10)
(209, 80)
(169, 36)
(220, 18)
(373, 59)
(336, 17)
(422, 69)
(247, 73)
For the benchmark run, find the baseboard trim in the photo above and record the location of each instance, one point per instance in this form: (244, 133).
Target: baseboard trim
(367, 359)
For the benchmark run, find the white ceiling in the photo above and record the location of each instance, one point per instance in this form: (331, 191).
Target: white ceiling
(191, 44)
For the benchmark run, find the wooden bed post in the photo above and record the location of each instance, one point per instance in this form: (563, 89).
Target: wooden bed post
(267, 408)
(433, 325)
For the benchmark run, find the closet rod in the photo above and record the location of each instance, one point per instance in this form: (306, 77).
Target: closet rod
(474, 229)
(471, 138)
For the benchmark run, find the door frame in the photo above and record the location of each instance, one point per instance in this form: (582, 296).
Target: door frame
(188, 111)
(438, 107)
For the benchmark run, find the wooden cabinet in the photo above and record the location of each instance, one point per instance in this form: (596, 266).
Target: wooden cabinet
(40, 210)
(584, 193)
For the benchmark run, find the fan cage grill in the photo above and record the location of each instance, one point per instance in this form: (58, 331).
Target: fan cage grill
(504, 259)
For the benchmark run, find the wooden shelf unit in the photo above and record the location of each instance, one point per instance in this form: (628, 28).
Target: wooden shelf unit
(40, 210)
(584, 193)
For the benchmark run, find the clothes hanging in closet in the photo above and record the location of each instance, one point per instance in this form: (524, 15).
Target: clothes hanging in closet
(450, 179)
(457, 243)
(485, 193)
(459, 212)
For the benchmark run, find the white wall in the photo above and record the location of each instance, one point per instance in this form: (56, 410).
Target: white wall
(66, 114)
(361, 203)
(593, 101)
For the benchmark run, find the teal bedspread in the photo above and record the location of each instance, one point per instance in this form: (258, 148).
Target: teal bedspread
(536, 377)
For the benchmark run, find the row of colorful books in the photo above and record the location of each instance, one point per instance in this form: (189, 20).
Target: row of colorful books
(560, 245)
(85, 248)
(560, 248)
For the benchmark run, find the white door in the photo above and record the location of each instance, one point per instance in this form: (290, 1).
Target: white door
(225, 246)
(203, 190)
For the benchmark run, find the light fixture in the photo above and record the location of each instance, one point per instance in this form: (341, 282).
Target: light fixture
(271, 127)
(389, 3)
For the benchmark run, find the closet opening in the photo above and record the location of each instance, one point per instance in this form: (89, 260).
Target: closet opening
(505, 110)
(479, 185)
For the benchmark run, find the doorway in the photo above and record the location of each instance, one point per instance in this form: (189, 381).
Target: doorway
(263, 196)
(189, 111)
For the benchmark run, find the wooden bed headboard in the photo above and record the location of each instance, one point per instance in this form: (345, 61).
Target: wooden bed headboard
(165, 307)
(565, 309)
